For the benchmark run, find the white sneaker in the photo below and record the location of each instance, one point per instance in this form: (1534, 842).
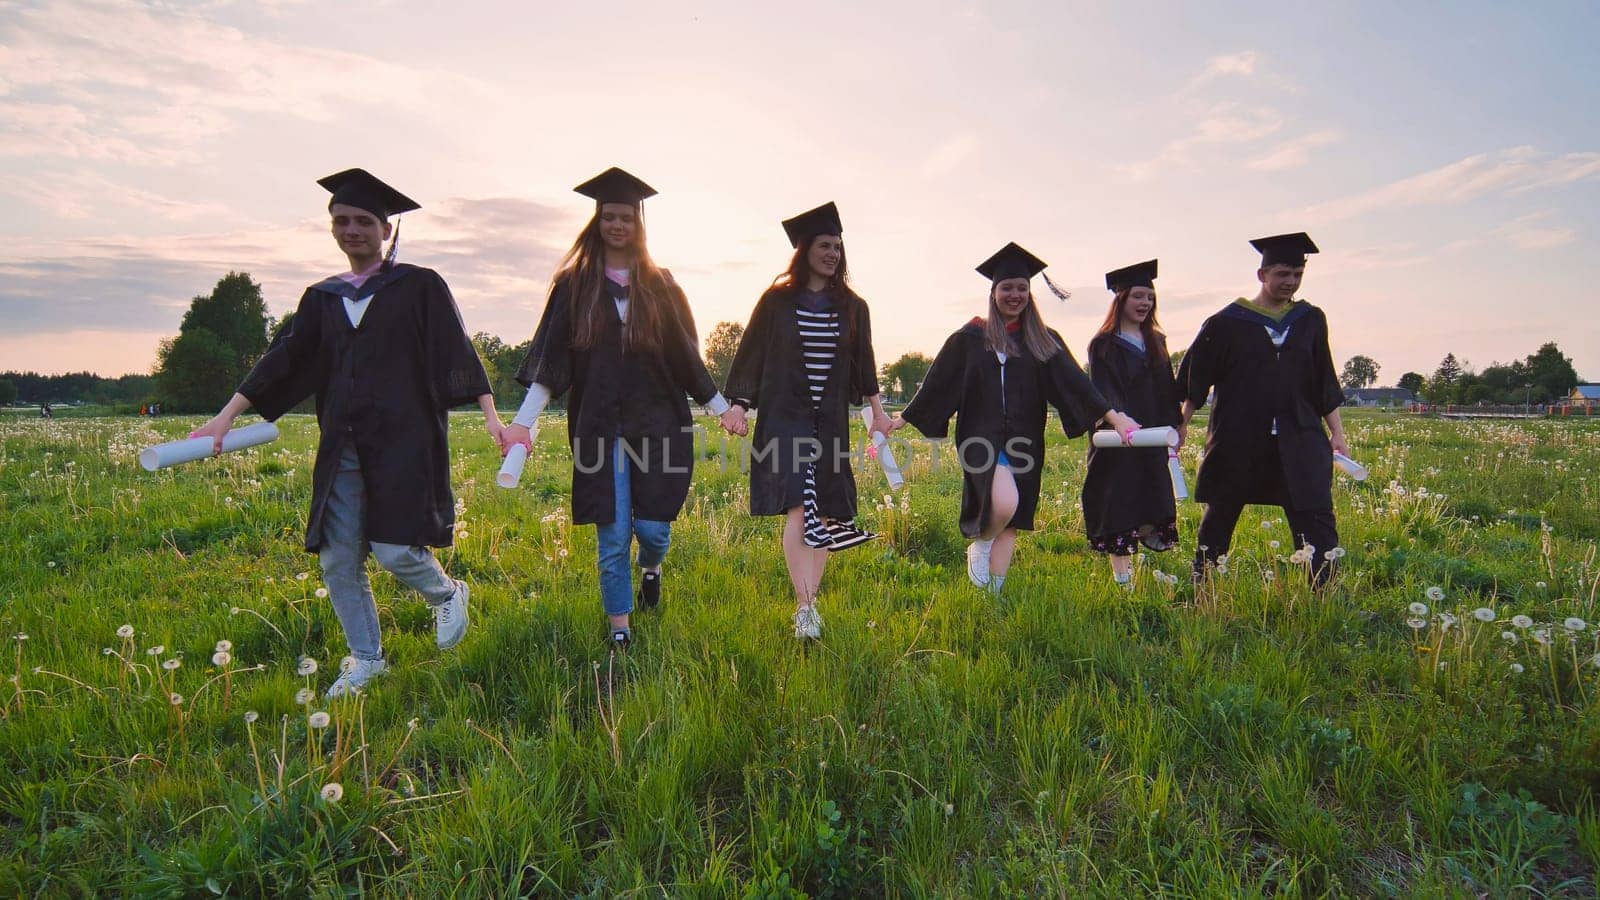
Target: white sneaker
(808, 623)
(978, 562)
(354, 675)
(450, 618)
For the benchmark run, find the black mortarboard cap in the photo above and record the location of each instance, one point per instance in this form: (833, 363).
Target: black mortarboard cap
(1284, 249)
(1140, 275)
(1011, 262)
(822, 220)
(616, 186)
(359, 188)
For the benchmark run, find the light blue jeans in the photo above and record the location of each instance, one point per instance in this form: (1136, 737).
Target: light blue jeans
(613, 541)
(344, 561)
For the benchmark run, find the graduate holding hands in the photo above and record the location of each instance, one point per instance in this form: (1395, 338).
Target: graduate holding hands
(996, 375)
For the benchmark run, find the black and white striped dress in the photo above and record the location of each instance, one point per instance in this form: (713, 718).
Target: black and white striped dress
(819, 341)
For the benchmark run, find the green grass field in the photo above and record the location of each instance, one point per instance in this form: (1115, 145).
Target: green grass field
(1069, 739)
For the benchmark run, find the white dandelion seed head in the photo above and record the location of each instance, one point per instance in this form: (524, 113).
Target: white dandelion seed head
(302, 576)
(302, 696)
(1447, 620)
(1273, 544)
(1516, 668)
(1542, 635)
(1521, 621)
(224, 646)
(332, 792)
(348, 664)
(125, 631)
(1418, 609)
(221, 658)
(1509, 637)
(1269, 575)
(307, 666)
(1417, 624)
(1483, 614)
(157, 650)
(234, 610)
(1540, 585)
(413, 724)
(1434, 593)
(1338, 552)
(175, 699)
(322, 592)
(1574, 624)
(318, 719)
(172, 663)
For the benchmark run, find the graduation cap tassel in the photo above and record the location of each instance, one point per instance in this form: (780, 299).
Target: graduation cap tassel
(394, 246)
(1062, 295)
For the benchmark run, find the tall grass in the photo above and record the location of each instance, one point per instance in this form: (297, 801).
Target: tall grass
(1067, 739)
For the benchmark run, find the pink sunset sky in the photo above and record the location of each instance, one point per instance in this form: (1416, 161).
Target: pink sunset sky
(1445, 159)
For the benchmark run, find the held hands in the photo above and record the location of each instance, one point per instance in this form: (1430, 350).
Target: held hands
(215, 429)
(512, 435)
(895, 424)
(733, 421)
(497, 431)
(1124, 425)
(1183, 434)
(882, 424)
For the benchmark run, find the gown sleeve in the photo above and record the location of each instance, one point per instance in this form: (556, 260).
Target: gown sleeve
(1071, 392)
(549, 358)
(457, 372)
(744, 374)
(939, 397)
(681, 347)
(291, 370)
(864, 365)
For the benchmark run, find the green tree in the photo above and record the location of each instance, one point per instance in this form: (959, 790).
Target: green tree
(1411, 381)
(8, 392)
(903, 376)
(1551, 373)
(720, 348)
(196, 371)
(501, 361)
(220, 338)
(1449, 370)
(1359, 372)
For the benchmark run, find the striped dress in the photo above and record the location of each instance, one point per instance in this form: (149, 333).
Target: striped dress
(819, 340)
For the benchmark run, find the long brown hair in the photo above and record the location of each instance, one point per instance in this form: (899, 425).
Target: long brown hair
(1034, 337)
(583, 268)
(798, 275)
(1155, 340)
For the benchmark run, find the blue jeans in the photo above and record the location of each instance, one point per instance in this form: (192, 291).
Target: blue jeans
(614, 540)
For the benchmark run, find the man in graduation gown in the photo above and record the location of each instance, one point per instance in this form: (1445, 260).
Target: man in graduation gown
(384, 351)
(1269, 362)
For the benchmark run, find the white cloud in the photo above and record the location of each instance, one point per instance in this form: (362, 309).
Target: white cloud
(1224, 124)
(1515, 170)
(1242, 63)
(1292, 154)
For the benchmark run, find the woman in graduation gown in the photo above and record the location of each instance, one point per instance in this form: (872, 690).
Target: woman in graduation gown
(617, 333)
(996, 375)
(1127, 493)
(383, 349)
(805, 357)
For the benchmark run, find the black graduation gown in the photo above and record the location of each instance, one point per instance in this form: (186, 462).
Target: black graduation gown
(388, 386)
(768, 372)
(965, 381)
(1255, 383)
(639, 395)
(1129, 487)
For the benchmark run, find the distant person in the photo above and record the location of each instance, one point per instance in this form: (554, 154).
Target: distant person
(1127, 493)
(383, 348)
(996, 375)
(805, 358)
(1276, 389)
(617, 333)
(46, 412)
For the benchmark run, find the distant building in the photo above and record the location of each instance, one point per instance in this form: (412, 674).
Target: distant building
(1378, 397)
(1585, 395)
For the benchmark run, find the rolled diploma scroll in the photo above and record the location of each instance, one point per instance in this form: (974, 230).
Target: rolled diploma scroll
(1180, 489)
(880, 448)
(190, 449)
(1143, 437)
(1351, 467)
(511, 470)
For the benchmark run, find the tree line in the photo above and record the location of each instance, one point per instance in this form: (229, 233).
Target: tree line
(224, 332)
